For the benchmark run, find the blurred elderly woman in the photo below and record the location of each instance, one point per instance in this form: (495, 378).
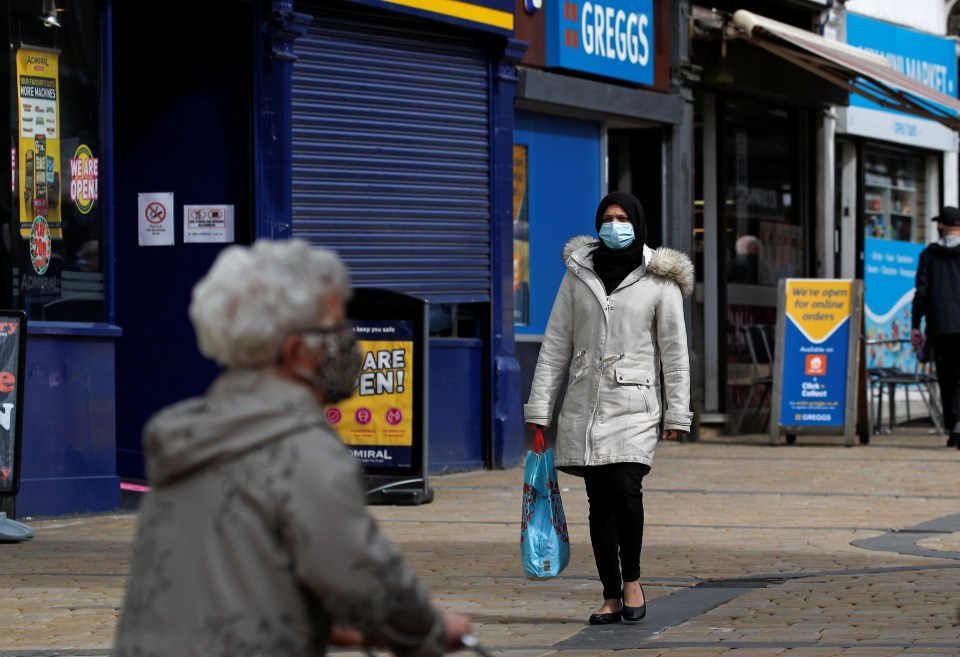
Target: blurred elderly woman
(254, 539)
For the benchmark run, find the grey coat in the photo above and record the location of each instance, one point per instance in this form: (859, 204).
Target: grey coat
(615, 348)
(255, 537)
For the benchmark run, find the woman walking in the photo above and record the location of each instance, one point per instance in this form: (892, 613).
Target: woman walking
(616, 325)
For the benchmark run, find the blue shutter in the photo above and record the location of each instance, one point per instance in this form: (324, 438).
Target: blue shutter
(391, 152)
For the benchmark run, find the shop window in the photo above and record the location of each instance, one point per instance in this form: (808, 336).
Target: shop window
(895, 231)
(52, 231)
(894, 199)
(764, 236)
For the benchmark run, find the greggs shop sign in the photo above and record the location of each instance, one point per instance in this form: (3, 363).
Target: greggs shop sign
(612, 38)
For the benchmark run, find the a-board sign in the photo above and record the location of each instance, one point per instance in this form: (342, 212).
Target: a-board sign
(817, 358)
(13, 331)
(385, 423)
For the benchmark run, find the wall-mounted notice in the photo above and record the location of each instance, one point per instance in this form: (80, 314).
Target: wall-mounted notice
(155, 218)
(208, 223)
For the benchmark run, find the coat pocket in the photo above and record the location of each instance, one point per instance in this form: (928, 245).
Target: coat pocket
(578, 365)
(640, 381)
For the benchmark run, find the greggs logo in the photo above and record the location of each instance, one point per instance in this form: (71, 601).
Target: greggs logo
(608, 32)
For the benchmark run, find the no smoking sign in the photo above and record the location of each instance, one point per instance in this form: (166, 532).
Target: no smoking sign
(154, 223)
(156, 213)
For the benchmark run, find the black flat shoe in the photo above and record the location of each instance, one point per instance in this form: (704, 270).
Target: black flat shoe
(605, 619)
(634, 614)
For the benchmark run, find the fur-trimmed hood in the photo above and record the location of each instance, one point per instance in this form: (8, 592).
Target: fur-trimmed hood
(668, 263)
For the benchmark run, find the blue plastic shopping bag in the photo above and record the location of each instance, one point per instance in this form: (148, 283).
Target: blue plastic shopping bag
(544, 541)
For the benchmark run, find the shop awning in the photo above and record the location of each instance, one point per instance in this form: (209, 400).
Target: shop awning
(856, 70)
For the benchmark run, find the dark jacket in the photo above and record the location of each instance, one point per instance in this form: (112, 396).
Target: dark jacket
(938, 289)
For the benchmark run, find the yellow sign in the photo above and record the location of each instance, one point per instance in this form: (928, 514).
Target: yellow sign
(521, 235)
(818, 306)
(380, 412)
(84, 179)
(468, 11)
(38, 158)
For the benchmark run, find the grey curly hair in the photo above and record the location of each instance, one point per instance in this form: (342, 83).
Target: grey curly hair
(254, 297)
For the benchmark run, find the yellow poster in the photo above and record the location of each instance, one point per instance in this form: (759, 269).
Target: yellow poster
(819, 306)
(521, 236)
(377, 421)
(38, 151)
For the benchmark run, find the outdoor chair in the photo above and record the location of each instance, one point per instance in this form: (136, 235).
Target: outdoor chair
(760, 343)
(884, 381)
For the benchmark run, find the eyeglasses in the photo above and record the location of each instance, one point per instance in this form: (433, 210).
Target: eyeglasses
(615, 217)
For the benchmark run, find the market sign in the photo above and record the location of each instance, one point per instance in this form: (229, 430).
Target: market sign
(612, 38)
(928, 59)
(815, 374)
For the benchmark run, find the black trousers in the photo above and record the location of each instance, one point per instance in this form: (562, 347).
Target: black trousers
(946, 354)
(615, 496)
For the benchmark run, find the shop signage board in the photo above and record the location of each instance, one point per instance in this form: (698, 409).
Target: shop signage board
(38, 141)
(612, 38)
(889, 276)
(817, 358)
(384, 423)
(377, 421)
(13, 329)
(928, 59)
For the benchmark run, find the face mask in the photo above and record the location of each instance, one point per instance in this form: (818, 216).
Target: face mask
(617, 234)
(336, 373)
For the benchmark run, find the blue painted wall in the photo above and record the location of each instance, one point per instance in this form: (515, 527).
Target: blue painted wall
(455, 405)
(563, 179)
(182, 125)
(563, 159)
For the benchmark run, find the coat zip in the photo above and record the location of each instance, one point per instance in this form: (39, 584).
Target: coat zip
(596, 408)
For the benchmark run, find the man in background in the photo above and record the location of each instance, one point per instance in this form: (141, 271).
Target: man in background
(938, 299)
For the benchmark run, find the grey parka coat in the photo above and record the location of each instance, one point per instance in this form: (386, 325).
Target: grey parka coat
(255, 538)
(615, 348)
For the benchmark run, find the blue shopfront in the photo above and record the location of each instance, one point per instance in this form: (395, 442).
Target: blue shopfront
(292, 120)
(596, 110)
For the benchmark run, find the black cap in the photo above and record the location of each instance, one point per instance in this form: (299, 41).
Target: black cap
(949, 216)
(634, 210)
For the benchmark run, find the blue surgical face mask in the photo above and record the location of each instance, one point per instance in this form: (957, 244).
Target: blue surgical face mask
(617, 234)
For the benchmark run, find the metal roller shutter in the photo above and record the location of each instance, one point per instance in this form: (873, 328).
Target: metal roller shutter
(391, 152)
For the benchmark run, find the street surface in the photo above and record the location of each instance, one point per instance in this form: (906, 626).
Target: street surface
(810, 550)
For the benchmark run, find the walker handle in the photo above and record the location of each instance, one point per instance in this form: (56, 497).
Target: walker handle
(471, 642)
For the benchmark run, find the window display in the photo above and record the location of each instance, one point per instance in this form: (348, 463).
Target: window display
(764, 237)
(52, 253)
(894, 232)
(894, 196)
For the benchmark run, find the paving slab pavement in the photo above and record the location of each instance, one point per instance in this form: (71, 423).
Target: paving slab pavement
(750, 550)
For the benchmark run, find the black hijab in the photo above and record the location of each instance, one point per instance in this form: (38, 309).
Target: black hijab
(612, 266)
